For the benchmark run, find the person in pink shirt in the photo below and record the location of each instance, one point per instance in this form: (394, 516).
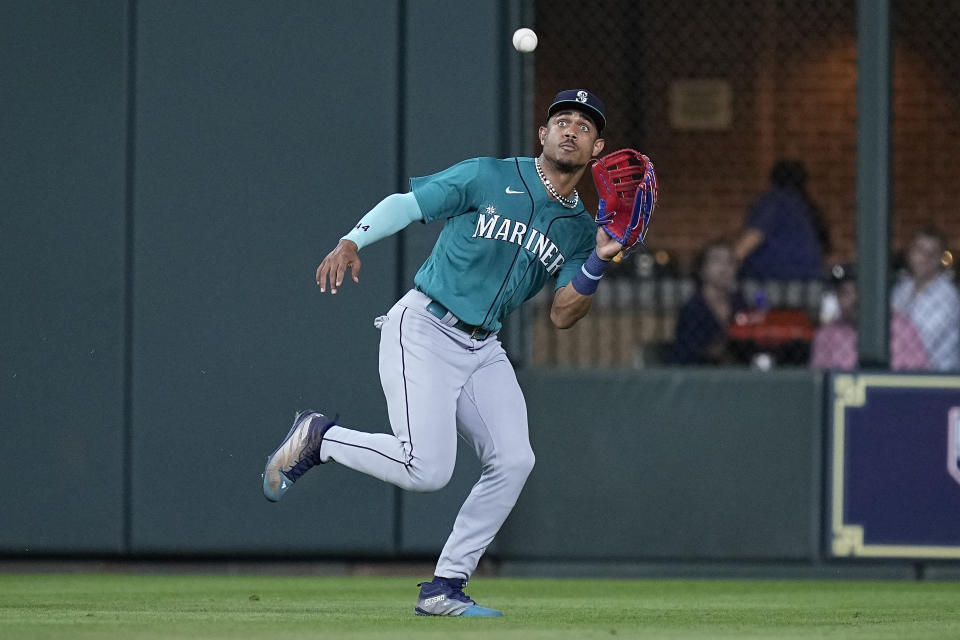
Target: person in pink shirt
(835, 343)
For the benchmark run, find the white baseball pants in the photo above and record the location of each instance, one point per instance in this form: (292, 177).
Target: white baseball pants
(438, 382)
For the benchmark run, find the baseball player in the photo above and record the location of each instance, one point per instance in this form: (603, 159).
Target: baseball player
(510, 225)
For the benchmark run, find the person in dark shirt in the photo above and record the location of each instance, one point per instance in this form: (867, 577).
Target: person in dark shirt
(701, 334)
(784, 236)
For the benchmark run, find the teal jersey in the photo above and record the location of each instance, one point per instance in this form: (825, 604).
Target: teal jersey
(503, 238)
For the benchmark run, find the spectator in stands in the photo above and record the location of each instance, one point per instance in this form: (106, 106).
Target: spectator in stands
(835, 343)
(701, 333)
(930, 300)
(784, 237)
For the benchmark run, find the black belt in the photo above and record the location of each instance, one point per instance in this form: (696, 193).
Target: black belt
(476, 332)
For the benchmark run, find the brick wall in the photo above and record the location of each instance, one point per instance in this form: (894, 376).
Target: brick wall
(927, 119)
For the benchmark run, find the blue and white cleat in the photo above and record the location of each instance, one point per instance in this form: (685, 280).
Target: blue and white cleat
(445, 597)
(299, 451)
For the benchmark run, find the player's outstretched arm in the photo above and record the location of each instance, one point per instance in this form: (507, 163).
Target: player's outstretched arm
(334, 266)
(572, 302)
(392, 214)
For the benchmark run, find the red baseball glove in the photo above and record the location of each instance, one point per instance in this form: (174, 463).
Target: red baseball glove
(628, 190)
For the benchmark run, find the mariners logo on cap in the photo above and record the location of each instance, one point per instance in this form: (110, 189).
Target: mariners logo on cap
(582, 100)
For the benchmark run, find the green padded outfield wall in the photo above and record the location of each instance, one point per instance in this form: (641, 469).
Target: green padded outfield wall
(693, 465)
(262, 136)
(62, 278)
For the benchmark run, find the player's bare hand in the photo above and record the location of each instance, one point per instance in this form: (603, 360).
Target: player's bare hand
(334, 266)
(607, 247)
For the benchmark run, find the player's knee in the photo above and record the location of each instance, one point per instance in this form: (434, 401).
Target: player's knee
(432, 479)
(518, 464)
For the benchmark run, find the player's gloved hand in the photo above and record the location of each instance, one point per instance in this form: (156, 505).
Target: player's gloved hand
(334, 266)
(627, 185)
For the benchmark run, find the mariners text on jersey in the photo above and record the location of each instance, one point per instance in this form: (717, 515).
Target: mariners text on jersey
(503, 238)
(509, 230)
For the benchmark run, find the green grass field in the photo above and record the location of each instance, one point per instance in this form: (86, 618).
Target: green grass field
(134, 607)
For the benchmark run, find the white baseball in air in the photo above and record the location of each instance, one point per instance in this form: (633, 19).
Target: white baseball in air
(524, 40)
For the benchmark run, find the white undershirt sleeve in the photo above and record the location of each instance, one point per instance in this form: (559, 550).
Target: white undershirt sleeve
(392, 214)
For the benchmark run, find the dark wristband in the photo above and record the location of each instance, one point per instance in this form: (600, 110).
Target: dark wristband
(588, 278)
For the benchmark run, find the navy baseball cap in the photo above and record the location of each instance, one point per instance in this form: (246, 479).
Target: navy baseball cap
(582, 100)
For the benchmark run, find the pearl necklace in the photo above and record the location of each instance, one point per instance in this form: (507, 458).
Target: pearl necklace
(569, 203)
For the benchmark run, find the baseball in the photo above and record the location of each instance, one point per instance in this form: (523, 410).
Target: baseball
(524, 40)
